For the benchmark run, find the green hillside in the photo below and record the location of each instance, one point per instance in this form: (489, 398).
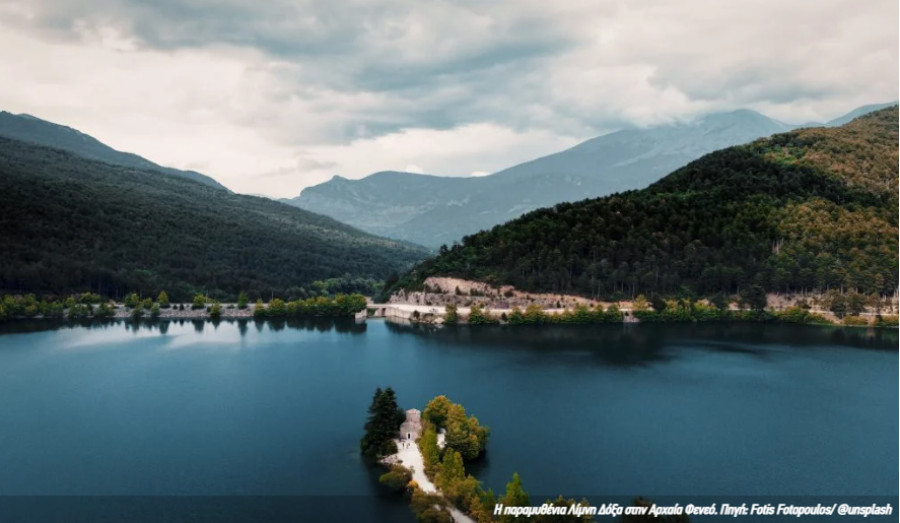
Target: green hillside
(27, 128)
(73, 224)
(811, 209)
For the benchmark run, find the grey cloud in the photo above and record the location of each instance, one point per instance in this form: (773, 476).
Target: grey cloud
(521, 64)
(345, 46)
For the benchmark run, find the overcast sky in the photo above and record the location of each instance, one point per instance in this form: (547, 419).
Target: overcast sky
(271, 96)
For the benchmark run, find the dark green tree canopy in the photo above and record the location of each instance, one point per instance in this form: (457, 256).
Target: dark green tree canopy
(383, 424)
(73, 224)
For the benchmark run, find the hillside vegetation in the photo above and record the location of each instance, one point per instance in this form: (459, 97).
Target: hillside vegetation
(27, 128)
(71, 224)
(807, 210)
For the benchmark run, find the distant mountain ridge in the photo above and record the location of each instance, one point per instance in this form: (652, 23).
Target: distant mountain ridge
(435, 210)
(814, 209)
(27, 128)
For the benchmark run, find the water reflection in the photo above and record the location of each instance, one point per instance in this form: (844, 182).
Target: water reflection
(135, 326)
(630, 344)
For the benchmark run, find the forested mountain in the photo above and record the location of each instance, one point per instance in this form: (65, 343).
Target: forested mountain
(434, 210)
(810, 209)
(73, 224)
(27, 128)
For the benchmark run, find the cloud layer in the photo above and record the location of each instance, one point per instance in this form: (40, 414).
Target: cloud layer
(269, 97)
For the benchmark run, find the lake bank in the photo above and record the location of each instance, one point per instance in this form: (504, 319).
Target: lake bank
(583, 314)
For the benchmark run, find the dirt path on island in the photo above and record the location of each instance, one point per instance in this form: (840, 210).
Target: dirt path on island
(409, 456)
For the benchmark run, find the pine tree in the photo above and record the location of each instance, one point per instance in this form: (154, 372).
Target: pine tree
(382, 425)
(163, 300)
(515, 496)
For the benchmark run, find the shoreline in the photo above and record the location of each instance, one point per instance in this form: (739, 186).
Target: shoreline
(429, 317)
(407, 313)
(436, 315)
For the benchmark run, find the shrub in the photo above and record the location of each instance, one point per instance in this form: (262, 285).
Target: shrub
(132, 300)
(451, 317)
(478, 316)
(104, 311)
(397, 479)
(199, 302)
(886, 321)
(259, 310)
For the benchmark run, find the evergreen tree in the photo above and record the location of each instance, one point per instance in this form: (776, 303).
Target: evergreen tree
(163, 300)
(132, 300)
(242, 300)
(452, 471)
(755, 297)
(382, 425)
(515, 496)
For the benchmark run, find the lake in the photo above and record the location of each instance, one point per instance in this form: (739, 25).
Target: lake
(194, 420)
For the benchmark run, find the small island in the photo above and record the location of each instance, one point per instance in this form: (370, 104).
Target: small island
(426, 452)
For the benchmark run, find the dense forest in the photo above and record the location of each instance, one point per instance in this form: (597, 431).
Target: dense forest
(807, 210)
(72, 225)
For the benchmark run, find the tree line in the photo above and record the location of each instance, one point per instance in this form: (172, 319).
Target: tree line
(90, 305)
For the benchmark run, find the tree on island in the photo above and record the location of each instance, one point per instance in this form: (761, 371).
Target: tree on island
(382, 427)
(397, 479)
(163, 300)
(464, 434)
(515, 496)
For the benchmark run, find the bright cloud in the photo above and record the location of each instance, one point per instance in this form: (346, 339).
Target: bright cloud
(272, 97)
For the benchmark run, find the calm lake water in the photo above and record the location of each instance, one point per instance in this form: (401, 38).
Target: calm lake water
(269, 415)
